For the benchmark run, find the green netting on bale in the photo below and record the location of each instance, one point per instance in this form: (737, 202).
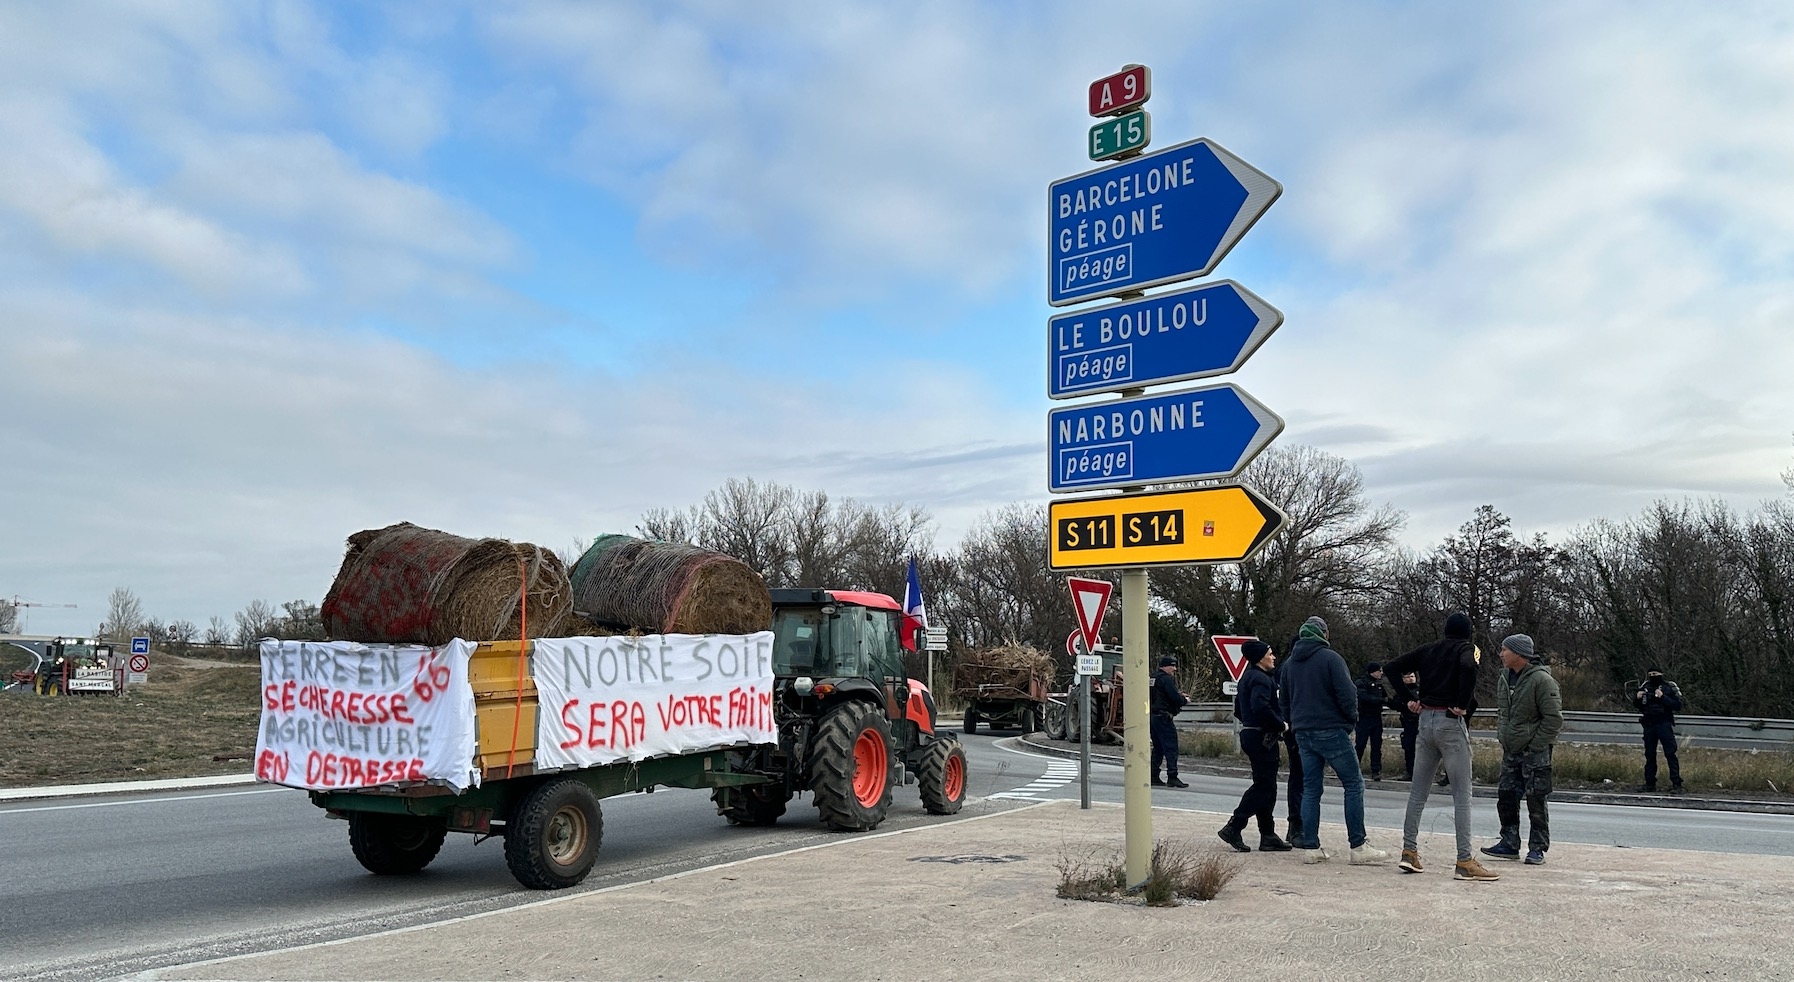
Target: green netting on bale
(404, 584)
(668, 588)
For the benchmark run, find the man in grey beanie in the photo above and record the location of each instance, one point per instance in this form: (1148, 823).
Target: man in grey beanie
(1531, 715)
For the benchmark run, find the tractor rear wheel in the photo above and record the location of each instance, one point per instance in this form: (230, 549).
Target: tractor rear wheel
(754, 804)
(850, 768)
(942, 777)
(551, 840)
(395, 844)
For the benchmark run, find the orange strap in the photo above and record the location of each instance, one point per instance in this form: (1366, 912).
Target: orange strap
(522, 663)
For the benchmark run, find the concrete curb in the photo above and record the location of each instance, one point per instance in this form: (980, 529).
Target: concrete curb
(1481, 791)
(124, 787)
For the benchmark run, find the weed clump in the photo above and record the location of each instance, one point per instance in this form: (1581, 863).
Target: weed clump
(1178, 872)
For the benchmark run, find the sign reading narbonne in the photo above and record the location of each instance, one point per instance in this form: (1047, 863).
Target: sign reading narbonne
(1168, 337)
(1157, 218)
(1163, 528)
(1192, 435)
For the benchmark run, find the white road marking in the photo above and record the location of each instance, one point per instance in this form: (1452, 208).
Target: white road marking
(140, 801)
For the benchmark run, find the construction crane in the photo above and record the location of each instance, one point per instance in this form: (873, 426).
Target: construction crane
(20, 606)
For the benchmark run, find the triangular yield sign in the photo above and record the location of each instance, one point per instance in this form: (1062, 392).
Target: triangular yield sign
(1231, 655)
(1090, 598)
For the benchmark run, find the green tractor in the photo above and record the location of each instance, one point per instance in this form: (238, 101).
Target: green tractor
(852, 724)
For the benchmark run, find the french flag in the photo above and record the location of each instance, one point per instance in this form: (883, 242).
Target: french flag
(915, 615)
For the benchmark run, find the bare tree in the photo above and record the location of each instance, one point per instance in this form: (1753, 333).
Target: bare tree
(217, 631)
(300, 621)
(255, 622)
(124, 614)
(1331, 554)
(9, 617)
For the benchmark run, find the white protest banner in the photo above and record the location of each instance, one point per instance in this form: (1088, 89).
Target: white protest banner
(622, 698)
(336, 714)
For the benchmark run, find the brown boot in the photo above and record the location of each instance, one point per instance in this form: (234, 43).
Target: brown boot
(1470, 869)
(1411, 861)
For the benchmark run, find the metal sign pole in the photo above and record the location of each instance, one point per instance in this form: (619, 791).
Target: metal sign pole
(1084, 740)
(1135, 680)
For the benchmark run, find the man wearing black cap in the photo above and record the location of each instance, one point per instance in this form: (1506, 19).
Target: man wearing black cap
(1531, 715)
(1261, 730)
(1167, 701)
(1444, 695)
(1658, 702)
(1371, 697)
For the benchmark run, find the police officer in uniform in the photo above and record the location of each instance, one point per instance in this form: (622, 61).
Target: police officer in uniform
(1167, 700)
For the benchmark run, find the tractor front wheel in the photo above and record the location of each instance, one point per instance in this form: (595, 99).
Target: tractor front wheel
(850, 768)
(1058, 721)
(551, 840)
(942, 777)
(395, 844)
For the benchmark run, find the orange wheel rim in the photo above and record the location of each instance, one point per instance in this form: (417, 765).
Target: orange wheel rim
(869, 766)
(955, 784)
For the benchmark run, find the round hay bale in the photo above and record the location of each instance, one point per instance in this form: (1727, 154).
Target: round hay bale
(409, 585)
(668, 588)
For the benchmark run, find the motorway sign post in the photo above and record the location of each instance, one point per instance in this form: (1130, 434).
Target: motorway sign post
(1192, 435)
(1225, 524)
(139, 670)
(1147, 220)
(1158, 218)
(1168, 337)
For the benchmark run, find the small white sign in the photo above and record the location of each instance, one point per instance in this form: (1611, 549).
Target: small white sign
(1230, 688)
(92, 680)
(137, 678)
(1090, 664)
(933, 643)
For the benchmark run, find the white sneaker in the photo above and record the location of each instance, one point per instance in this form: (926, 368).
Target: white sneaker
(1315, 856)
(1366, 854)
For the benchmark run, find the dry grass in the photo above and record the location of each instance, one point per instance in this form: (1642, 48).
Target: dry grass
(1178, 872)
(171, 727)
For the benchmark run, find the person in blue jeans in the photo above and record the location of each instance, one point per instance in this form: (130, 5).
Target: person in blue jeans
(1320, 703)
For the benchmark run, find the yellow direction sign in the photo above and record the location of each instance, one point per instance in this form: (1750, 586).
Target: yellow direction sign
(1163, 528)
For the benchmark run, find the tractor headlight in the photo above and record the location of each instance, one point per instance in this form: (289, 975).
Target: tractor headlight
(803, 685)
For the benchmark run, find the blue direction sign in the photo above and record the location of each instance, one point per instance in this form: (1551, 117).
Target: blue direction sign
(1168, 337)
(1157, 218)
(1192, 435)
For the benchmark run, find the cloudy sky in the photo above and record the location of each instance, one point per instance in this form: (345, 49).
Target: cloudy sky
(274, 272)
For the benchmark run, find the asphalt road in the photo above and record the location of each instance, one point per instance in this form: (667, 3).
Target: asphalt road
(1386, 804)
(96, 888)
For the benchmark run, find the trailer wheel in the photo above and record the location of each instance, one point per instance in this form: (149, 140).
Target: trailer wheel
(754, 804)
(850, 768)
(392, 845)
(971, 723)
(942, 777)
(1030, 720)
(551, 840)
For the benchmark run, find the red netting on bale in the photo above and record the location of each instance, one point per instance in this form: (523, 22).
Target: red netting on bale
(411, 585)
(668, 588)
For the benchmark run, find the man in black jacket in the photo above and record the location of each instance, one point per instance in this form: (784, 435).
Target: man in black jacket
(1167, 700)
(1372, 695)
(1410, 727)
(1261, 730)
(1659, 700)
(1444, 697)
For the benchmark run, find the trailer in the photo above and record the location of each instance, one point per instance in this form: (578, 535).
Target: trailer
(551, 820)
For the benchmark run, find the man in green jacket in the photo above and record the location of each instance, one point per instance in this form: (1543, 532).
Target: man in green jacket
(1531, 715)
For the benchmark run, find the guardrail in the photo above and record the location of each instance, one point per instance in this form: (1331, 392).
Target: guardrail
(1773, 733)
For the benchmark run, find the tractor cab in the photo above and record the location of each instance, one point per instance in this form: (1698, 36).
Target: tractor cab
(845, 644)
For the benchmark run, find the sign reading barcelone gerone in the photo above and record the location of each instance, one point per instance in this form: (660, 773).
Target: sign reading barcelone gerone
(1155, 219)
